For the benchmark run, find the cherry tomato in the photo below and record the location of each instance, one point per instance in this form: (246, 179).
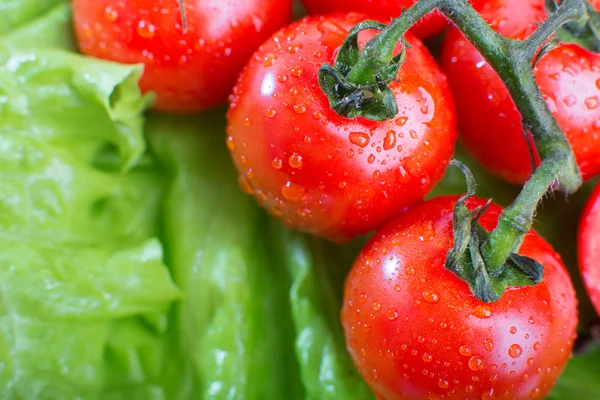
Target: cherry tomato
(415, 331)
(385, 10)
(588, 244)
(190, 69)
(490, 125)
(322, 173)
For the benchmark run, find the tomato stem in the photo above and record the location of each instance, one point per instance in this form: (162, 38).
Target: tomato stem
(513, 61)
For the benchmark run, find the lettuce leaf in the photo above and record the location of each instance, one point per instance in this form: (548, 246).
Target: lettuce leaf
(260, 316)
(84, 292)
(14, 13)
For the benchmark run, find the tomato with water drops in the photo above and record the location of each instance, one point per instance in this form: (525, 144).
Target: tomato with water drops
(470, 349)
(352, 174)
(192, 66)
(567, 77)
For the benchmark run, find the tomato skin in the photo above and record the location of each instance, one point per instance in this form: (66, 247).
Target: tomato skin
(384, 10)
(568, 77)
(588, 246)
(190, 71)
(414, 329)
(322, 173)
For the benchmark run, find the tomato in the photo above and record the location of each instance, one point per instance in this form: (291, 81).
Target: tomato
(490, 125)
(190, 70)
(320, 172)
(588, 243)
(415, 331)
(385, 10)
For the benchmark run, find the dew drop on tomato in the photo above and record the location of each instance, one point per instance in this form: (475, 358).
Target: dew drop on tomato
(359, 138)
(145, 29)
(475, 363)
(515, 351)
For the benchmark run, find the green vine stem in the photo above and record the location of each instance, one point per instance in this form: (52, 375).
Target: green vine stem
(363, 82)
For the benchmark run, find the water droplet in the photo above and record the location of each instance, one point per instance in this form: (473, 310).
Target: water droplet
(294, 91)
(271, 113)
(376, 305)
(342, 184)
(401, 121)
(278, 212)
(536, 346)
(269, 59)
(443, 384)
(598, 83)
(482, 312)
(464, 350)
(488, 344)
(513, 330)
(230, 143)
(535, 393)
(292, 191)
(244, 184)
(277, 163)
(413, 134)
(294, 47)
(475, 363)
(591, 103)
(350, 153)
(427, 357)
(303, 212)
(359, 138)
(247, 121)
(397, 288)
(295, 160)
(297, 72)
(282, 78)
(430, 296)
(392, 314)
(363, 298)
(371, 159)
(300, 109)
(146, 29)
(390, 140)
(111, 14)
(530, 361)
(570, 100)
(318, 114)
(515, 351)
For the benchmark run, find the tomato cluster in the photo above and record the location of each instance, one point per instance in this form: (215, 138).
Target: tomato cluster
(413, 328)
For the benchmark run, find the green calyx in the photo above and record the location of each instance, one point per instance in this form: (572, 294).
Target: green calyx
(465, 259)
(585, 32)
(365, 93)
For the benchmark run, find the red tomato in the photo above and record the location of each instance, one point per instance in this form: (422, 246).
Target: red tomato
(490, 125)
(432, 24)
(415, 331)
(588, 244)
(322, 173)
(189, 70)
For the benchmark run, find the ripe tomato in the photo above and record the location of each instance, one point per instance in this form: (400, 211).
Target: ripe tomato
(415, 331)
(190, 70)
(490, 125)
(432, 24)
(322, 173)
(588, 243)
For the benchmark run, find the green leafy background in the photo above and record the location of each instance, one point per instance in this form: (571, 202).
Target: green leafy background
(131, 265)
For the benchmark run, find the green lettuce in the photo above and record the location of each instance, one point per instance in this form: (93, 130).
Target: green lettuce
(260, 314)
(82, 278)
(14, 13)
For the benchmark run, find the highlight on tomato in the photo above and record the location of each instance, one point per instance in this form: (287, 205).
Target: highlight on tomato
(490, 125)
(322, 173)
(415, 330)
(192, 56)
